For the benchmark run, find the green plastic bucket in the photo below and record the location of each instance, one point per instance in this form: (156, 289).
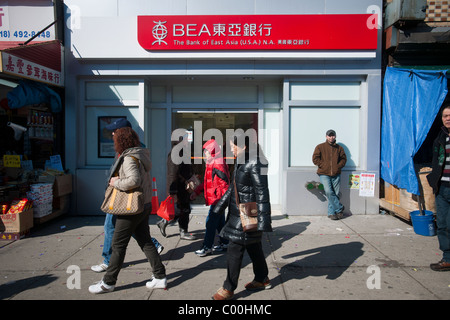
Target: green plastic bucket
(423, 224)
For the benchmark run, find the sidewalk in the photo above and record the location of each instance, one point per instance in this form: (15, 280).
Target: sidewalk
(309, 257)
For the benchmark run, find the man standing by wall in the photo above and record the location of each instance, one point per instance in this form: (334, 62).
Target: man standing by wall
(331, 158)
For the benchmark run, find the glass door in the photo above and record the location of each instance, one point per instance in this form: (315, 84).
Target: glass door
(218, 120)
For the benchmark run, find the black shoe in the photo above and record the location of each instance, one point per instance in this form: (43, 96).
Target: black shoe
(333, 217)
(340, 214)
(162, 224)
(440, 266)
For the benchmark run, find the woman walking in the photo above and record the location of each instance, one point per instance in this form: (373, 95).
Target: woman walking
(131, 171)
(250, 180)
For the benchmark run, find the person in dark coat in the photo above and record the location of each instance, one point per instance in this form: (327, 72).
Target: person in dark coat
(177, 175)
(250, 179)
(439, 180)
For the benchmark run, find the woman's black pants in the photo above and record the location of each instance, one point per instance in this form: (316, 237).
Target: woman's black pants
(235, 254)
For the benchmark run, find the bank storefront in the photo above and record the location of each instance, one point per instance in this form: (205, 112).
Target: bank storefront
(288, 73)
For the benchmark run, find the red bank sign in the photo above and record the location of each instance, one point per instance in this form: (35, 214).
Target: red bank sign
(259, 32)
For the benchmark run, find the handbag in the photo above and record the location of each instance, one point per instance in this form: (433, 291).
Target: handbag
(120, 202)
(167, 209)
(248, 212)
(192, 183)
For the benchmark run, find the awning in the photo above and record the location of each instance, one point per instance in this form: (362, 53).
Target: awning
(41, 62)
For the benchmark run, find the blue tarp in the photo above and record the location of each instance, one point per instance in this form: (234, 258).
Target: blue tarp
(31, 92)
(411, 102)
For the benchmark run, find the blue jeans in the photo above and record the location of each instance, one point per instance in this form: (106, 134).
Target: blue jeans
(443, 221)
(109, 227)
(331, 186)
(214, 221)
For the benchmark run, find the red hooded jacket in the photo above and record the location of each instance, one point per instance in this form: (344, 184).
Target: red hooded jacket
(217, 176)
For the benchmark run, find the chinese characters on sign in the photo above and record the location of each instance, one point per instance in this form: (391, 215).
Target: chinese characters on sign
(11, 161)
(257, 32)
(367, 185)
(30, 70)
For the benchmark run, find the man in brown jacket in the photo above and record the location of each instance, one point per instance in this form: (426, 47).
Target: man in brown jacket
(330, 158)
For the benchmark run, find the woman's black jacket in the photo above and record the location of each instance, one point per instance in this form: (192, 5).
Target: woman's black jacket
(252, 186)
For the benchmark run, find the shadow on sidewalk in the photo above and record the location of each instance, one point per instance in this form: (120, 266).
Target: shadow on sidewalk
(12, 288)
(219, 262)
(330, 261)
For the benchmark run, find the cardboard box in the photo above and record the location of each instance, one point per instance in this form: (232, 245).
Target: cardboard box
(391, 194)
(16, 222)
(13, 236)
(62, 185)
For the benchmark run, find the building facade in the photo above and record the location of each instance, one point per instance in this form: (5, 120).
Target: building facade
(288, 71)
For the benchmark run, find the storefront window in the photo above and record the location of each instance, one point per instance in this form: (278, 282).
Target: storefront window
(215, 94)
(272, 94)
(308, 126)
(318, 106)
(325, 91)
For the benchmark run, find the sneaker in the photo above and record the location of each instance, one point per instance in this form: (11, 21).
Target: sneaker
(100, 287)
(223, 294)
(186, 236)
(203, 252)
(333, 217)
(220, 248)
(256, 286)
(160, 249)
(440, 266)
(157, 284)
(99, 268)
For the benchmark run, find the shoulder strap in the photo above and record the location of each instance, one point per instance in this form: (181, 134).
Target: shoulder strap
(222, 175)
(236, 194)
(116, 170)
(235, 189)
(136, 159)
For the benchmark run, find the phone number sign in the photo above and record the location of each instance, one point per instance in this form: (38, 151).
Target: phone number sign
(258, 32)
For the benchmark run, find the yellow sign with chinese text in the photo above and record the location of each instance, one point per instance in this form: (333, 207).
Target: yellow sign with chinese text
(11, 161)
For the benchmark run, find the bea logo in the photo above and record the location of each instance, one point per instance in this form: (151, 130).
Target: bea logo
(159, 32)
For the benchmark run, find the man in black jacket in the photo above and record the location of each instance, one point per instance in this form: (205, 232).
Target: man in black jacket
(439, 180)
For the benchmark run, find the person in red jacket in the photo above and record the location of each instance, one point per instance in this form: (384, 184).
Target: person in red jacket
(215, 184)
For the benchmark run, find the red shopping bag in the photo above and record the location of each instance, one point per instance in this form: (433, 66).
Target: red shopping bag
(167, 209)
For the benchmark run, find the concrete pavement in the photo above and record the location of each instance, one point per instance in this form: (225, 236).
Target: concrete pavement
(367, 257)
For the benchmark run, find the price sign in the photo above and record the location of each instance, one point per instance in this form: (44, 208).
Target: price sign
(11, 161)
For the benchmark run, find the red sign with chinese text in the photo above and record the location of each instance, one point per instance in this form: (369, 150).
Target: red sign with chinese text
(258, 32)
(30, 70)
